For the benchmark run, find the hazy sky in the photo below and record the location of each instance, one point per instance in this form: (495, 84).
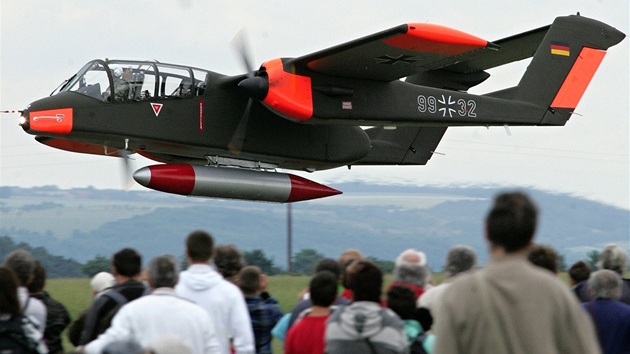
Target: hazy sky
(45, 42)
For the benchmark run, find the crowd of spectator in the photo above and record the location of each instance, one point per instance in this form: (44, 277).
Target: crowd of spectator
(515, 303)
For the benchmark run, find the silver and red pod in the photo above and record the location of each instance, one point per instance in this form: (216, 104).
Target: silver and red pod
(230, 183)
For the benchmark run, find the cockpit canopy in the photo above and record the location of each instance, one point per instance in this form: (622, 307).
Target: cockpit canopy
(135, 80)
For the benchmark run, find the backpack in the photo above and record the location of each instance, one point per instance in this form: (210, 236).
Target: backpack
(13, 340)
(105, 322)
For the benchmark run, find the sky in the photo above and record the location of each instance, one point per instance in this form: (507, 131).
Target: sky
(45, 42)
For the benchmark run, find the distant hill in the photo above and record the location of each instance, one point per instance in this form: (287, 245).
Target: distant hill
(381, 221)
(55, 266)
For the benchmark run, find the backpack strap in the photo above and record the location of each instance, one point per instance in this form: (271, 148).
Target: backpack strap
(116, 296)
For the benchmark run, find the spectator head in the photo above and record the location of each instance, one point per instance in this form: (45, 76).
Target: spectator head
(605, 284)
(348, 256)
(614, 258)
(459, 259)
(102, 281)
(365, 279)
(511, 222)
(163, 271)
(249, 280)
(9, 301)
(423, 315)
(127, 262)
(229, 260)
(39, 279)
(169, 344)
(410, 267)
(579, 272)
(123, 346)
(199, 246)
(411, 256)
(22, 264)
(402, 301)
(545, 257)
(330, 265)
(323, 288)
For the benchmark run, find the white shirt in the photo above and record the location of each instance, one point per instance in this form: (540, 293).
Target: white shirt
(33, 308)
(154, 316)
(224, 303)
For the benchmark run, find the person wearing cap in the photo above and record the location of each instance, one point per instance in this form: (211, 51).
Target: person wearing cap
(159, 314)
(100, 283)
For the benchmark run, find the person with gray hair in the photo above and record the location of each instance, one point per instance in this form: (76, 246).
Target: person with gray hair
(23, 264)
(160, 314)
(610, 316)
(460, 258)
(411, 271)
(613, 258)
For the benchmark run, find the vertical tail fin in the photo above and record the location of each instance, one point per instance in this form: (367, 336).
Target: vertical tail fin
(564, 64)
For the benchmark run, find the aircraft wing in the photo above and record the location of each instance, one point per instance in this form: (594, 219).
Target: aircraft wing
(413, 48)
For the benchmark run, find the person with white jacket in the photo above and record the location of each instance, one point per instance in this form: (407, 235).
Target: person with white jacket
(222, 299)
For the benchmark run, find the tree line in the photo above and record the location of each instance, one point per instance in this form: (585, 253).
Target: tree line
(302, 262)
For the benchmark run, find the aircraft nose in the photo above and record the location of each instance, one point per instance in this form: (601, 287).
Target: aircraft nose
(24, 122)
(143, 176)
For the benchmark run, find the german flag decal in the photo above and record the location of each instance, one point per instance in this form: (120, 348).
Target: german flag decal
(559, 48)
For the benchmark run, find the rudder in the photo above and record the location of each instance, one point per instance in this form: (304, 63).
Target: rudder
(564, 65)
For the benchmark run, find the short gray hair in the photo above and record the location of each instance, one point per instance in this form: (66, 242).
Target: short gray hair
(164, 271)
(460, 258)
(412, 273)
(605, 284)
(614, 258)
(22, 263)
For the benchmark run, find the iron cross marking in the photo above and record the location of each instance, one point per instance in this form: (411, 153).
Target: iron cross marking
(390, 60)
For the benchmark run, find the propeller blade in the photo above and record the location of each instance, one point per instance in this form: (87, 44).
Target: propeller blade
(252, 85)
(236, 143)
(241, 45)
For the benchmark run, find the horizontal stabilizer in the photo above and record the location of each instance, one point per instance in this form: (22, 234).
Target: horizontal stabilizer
(402, 146)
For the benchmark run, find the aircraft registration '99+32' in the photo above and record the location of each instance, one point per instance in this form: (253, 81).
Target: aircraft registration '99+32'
(224, 136)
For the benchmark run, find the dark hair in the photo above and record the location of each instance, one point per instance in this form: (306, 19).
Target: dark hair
(544, 257)
(249, 280)
(365, 279)
(163, 271)
(511, 223)
(423, 315)
(22, 263)
(402, 301)
(229, 260)
(9, 301)
(199, 246)
(39, 279)
(127, 262)
(459, 259)
(330, 265)
(579, 271)
(323, 288)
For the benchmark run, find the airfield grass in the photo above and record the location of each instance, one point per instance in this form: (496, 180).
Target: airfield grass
(76, 295)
